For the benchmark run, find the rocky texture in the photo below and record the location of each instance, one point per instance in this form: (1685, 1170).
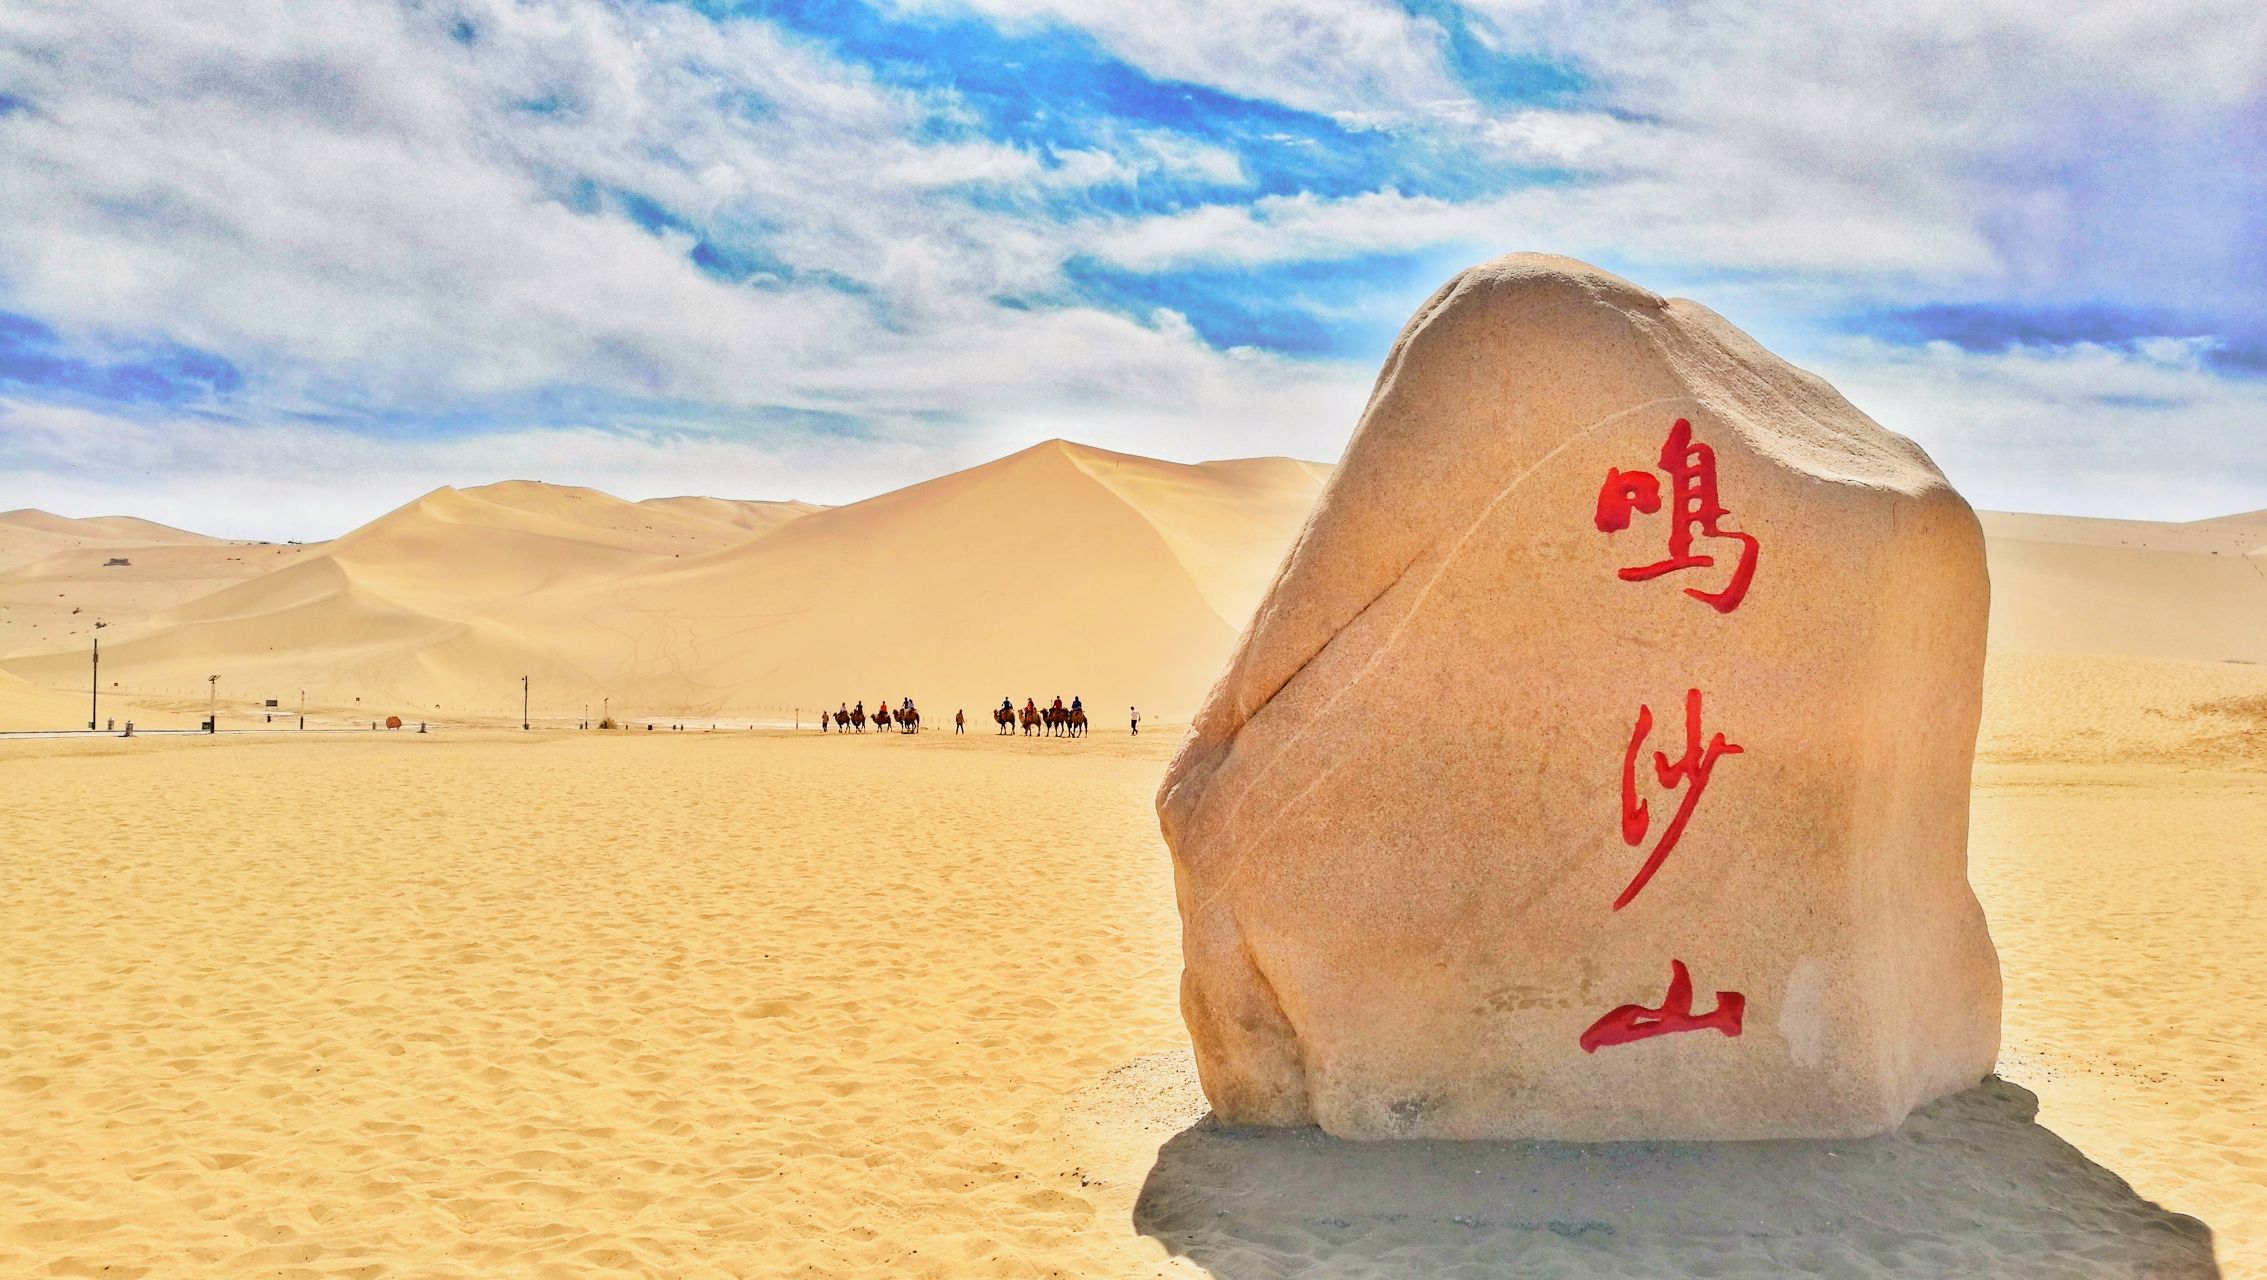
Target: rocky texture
(1401, 825)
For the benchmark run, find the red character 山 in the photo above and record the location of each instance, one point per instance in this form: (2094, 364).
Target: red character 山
(1636, 1022)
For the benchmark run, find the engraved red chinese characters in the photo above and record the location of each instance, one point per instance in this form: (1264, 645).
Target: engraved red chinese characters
(1636, 1022)
(1694, 767)
(1691, 468)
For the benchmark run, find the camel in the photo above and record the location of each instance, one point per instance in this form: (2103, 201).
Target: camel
(841, 721)
(881, 717)
(858, 718)
(1030, 719)
(1005, 718)
(909, 721)
(1064, 722)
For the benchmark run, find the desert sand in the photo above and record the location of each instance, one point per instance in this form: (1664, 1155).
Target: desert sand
(751, 1003)
(765, 1004)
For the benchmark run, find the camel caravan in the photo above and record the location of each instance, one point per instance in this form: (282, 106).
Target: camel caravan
(849, 718)
(1053, 721)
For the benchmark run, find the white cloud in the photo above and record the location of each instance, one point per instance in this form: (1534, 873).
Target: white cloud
(369, 216)
(353, 201)
(1584, 140)
(371, 213)
(1640, 220)
(2080, 429)
(1886, 154)
(2011, 146)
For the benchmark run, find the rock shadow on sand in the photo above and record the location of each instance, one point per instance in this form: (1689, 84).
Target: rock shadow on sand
(1971, 1185)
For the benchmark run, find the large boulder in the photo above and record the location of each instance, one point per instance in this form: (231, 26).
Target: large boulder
(1597, 765)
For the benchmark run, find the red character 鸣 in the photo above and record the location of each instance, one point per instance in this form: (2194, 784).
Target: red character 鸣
(1693, 767)
(1691, 467)
(1636, 1022)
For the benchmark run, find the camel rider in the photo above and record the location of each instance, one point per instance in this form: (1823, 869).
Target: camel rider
(1030, 706)
(1058, 702)
(1075, 706)
(861, 707)
(1008, 705)
(907, 705)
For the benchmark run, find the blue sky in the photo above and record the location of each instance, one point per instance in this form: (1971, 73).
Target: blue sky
(269, 269)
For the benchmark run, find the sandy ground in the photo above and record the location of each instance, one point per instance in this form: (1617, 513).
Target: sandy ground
(2130, 909)
(676, 1005)
(757, 1004)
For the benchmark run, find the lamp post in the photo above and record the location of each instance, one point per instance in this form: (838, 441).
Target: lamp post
(212, 705)
(94, 687)
(523, 704)
(303, 709)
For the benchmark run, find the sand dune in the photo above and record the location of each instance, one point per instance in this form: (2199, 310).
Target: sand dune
(1228, 523)
(2127, 641)
(1061, 569)
(743, 514)
(1058, 570)
(401, 614)
(28, 534)
(665, 526)
(59, 576)
(2182, 592)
